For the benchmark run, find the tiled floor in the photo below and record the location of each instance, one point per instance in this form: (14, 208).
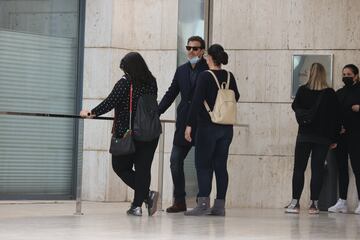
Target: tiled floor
(36, 221)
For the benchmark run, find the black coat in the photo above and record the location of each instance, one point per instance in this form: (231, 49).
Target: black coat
(349, 96)
(325, 127)
(182, 83)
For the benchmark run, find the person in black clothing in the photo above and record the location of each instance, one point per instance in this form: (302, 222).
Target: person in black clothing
(184, 83)
(212, 140)
(349, 142)
(315, 137)
(138, 76)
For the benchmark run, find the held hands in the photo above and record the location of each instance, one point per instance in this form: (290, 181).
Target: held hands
(188, 133)
(86, 114)
(355, 108)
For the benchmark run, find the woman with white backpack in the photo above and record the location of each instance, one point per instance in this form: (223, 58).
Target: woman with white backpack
(213, 110)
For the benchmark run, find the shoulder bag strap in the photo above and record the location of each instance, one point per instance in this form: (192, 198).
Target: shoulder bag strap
(130, 103)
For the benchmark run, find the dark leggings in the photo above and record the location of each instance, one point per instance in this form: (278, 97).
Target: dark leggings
(211, 154)
(139, 180)
(348, 147)
(318, 155)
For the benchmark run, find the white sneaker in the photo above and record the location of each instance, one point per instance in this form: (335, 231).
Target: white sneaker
(340, 207)
(357, 210)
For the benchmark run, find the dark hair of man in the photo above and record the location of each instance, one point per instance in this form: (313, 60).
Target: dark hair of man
(353, 68)
(135, 67)
(197, 39)
(218, 54)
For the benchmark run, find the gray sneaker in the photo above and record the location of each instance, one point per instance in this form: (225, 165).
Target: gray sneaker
(293, 207)
(134, 211)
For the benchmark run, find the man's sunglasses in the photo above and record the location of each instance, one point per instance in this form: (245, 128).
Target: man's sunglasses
(193, 48)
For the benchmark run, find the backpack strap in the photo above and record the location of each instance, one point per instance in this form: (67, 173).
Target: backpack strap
(220, 87)
(215, 78)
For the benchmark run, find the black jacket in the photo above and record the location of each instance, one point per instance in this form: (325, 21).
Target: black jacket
(206, 89)
(184, 82)
(325, 127)
(349, 96)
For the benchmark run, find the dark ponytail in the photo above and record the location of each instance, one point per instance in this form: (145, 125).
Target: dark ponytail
(353, 68)
(218, 54)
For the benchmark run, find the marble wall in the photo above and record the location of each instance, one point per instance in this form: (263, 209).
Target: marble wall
(261, 37)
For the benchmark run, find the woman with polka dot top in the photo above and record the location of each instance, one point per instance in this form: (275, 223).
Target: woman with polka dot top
(138, 74)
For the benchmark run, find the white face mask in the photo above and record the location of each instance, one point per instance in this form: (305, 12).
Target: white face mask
(194, 60)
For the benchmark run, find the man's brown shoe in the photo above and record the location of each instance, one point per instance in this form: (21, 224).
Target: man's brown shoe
(177, 207)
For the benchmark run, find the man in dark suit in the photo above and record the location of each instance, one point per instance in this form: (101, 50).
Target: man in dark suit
(184, 82)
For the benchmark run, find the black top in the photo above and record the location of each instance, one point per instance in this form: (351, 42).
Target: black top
(184, 82)
(119, 98)
(349, 96)
(206, 89)
(325, 126)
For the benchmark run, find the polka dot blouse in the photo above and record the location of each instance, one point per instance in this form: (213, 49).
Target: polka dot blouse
(119, 99)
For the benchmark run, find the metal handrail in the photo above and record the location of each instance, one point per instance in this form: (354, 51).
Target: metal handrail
(80, 166)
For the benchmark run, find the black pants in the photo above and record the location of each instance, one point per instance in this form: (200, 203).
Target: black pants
(178, 155)
(318, 157)
(211, 154)
(348, 146)
(138, 179)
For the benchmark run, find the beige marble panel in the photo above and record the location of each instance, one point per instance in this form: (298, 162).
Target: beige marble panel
(262, 182)
(324, 24)
(98, 23)
(271, 131)
(262, 76)
(95, 169)
(284, 24)
(97, 72)
(116, 189)
(135, 28)
(250, 24)
(97, 133)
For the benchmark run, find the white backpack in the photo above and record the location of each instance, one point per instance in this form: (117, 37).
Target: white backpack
(225, 109)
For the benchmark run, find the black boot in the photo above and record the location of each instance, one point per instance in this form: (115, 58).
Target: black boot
(151, 202)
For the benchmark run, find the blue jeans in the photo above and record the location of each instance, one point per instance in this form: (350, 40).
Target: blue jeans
(211, 154)
(178, 155)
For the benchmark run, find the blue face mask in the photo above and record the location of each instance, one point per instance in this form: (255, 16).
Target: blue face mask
(194, 60)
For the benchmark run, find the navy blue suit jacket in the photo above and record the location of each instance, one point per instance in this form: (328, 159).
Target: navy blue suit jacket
(182, 84)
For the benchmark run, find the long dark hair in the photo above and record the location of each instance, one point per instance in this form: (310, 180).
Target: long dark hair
(134, 66)
(218, 54)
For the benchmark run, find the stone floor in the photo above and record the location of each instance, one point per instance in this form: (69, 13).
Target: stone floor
(39, 220)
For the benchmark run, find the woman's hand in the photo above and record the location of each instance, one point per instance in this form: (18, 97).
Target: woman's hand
(86, 114)
(333, 145)
(355, 108)
(188, 134)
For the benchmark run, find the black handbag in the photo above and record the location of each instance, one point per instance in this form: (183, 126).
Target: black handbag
(124, 145)
(306, 116)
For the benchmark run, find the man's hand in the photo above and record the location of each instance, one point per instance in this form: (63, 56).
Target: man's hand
(188, 134)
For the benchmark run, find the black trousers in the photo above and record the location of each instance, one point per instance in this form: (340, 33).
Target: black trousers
(211, 155)
(138, 179)
(178, 155)
(348, 146)
(318, 156)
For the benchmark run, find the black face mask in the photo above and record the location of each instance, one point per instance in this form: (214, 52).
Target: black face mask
(348, 81)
